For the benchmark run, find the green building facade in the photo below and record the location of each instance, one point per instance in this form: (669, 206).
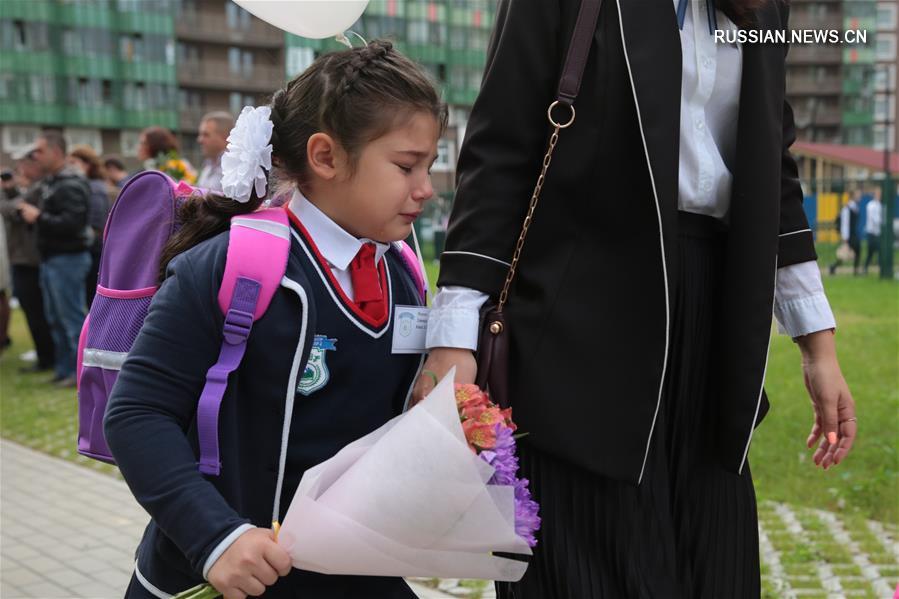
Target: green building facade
(104, 69)
(87, 64)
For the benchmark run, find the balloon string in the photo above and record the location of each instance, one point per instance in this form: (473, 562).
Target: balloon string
(343, 39)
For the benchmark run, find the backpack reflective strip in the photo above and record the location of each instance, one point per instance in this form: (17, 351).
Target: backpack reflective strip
(100, 358)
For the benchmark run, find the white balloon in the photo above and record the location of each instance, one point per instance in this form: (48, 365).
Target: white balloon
(314, 19)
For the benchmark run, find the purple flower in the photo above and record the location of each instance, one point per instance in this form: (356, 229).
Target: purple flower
(503, 459)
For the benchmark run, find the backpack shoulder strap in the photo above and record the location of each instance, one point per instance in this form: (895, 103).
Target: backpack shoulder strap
(414, 267)
(256, 262)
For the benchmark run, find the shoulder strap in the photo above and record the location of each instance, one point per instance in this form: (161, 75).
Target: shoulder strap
(569, 86)
(414, 267)
(578, 49)
(256, 262)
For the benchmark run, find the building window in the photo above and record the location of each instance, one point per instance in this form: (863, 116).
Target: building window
(23, 35)
(187, 8)
(458, 38)
(240, 62)
(71, 42)
(437, 33)
(20, 40)
(884, 107)
(132, 47)
(42, 89)
(84, 137)
(883, 135)
(135, 97)
(129, 140)
(6, 86)
(417, 32)
(886, 46)
(886, 16)
(237, 100)
(236, 17)
(298, 60)
(16, 137)
(189, 52)
(190, 99)
(446, 156)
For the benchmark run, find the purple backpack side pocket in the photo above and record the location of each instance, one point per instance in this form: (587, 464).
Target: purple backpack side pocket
(139, 225)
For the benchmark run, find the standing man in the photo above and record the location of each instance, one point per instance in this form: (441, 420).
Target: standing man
(873, 222)
(24, 257)
(213, 138)
(63, 238)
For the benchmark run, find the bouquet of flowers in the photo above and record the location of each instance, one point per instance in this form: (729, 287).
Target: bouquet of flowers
(489, 432)
(432, 493)
(175, 167)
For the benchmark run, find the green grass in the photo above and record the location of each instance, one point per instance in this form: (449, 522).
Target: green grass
(867, 314)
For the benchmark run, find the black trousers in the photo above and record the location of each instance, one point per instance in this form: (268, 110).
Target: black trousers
(855, 245)
(690, 529)
(873, 249)
(27, 289)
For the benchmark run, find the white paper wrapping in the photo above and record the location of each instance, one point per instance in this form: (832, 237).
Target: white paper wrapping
(409, 499)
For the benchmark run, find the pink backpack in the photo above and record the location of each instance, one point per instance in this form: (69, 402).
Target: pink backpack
(139, 225)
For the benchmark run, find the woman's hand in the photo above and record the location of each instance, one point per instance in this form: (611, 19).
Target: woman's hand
(835, 424)
(253, 562)
(440, 361)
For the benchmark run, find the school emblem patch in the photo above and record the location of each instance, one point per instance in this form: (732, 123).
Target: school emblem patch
(317, 375)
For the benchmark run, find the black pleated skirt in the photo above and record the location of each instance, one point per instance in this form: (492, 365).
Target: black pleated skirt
(690, 529)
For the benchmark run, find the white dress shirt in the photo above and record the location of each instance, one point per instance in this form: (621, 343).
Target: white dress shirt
(873, 218)
(335, 245)
(710, 96)
(211, 175)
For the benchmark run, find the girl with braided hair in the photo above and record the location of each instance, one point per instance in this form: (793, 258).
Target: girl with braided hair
(352, 140)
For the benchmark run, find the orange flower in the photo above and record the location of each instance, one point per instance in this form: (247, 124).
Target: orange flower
(479, 435)
(483, 414)
(470, 396)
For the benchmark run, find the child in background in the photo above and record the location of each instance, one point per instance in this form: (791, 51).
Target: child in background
(355, 135)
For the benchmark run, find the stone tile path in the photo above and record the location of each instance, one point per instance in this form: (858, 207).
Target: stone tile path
(67, 531)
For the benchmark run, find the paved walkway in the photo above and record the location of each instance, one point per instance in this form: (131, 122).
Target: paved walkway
(69, 532)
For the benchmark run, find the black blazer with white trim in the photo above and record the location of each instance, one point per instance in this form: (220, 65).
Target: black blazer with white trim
(590, 307)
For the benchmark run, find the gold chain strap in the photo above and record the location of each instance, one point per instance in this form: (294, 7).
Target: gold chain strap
(535, 197)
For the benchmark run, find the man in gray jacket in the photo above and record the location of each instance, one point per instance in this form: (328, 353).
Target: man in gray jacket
(63, 239)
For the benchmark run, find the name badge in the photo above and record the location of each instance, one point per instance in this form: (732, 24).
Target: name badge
(410, 328)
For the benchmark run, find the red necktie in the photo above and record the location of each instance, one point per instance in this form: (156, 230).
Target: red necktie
(367, 283)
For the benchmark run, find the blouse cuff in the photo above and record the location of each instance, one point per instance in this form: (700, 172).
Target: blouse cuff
(455, 318)
(805, 315)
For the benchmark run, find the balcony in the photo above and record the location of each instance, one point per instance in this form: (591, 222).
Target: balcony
(857, 118)
(819, 117)
(214, 28)
(798, 86)
(799, 21)
(815, 54)
(220, 76)
(189, 117)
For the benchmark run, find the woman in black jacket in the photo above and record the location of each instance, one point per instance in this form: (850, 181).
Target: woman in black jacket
(669, 228)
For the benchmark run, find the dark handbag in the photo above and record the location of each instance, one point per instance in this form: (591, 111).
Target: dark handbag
(493, 342)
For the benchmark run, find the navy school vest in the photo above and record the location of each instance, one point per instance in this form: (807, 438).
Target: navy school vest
(352, 383)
